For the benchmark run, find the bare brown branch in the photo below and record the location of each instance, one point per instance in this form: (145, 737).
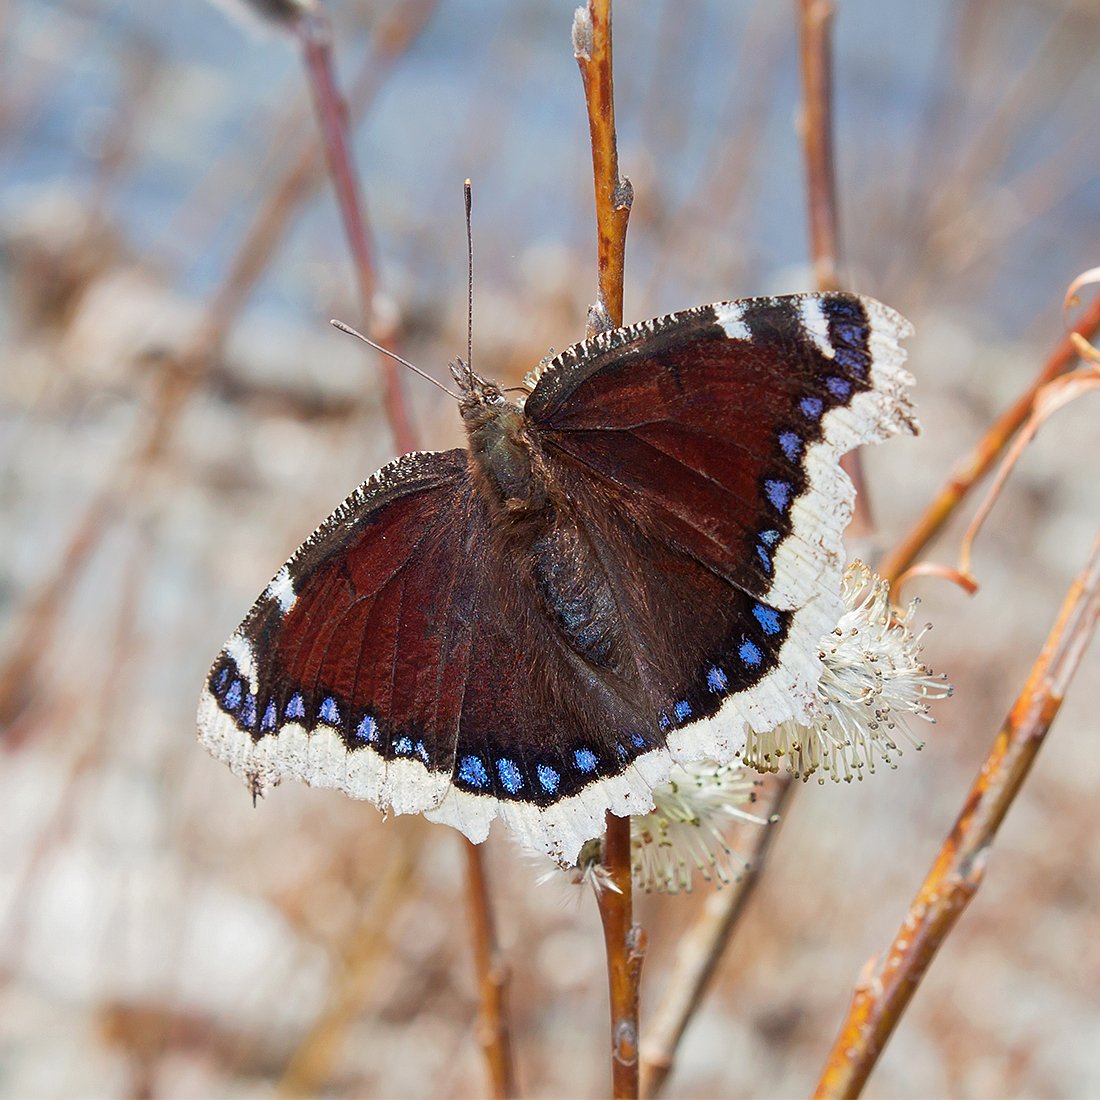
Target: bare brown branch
(625, 944)
(493, 1032)
(592, 49)
(888, 984)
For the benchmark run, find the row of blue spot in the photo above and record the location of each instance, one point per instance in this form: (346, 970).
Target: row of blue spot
(473, 772)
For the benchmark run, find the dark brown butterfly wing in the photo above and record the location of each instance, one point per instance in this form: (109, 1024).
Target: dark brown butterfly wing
(408, 653)
(719, 432)
(398, 657)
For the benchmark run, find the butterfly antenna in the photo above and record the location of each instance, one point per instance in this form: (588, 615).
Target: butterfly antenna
(393, 355)
(468, 192)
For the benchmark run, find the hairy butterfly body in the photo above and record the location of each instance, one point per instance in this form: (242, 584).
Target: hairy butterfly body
(628, 567)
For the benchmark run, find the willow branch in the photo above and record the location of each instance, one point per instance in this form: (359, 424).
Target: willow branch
(983, 457)
(888, 984)
(493, 1032)
(699, 952)
(623, 940)
(614, 195)
(625, 943)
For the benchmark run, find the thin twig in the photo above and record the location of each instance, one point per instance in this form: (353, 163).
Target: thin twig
(888, 984)
(179, 380)
(815, 50)
(316, 39)
(699, 952)
(816, 124)
(614, 195)
(493, 1032)
(972, 467)
(624, 941)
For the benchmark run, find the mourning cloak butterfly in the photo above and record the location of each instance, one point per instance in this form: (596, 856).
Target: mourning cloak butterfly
(623, 569)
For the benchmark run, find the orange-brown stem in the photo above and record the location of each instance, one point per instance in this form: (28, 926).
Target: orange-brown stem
(493, 1032)
(975, 465)
(625, 945)
(592, 49)
(889, 983)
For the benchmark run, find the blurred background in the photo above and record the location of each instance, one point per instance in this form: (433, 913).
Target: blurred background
(160, 191)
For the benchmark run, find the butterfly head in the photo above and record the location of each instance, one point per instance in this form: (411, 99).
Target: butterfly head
(479, 398)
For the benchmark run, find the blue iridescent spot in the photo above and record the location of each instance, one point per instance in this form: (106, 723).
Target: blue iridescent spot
(770, 537)
(403, 746)
(637, 740)
(765, 560)
(509, 774)
(851, 360)
(750, 653)
(367, 730)
(329, 711)
(621, 751)
(270, 714)
(716, 680)
(233, 696)
(548, 777)
(586, 760)
(778, 492)
(791, 442)
(295, 708)
(664, 722)
(248, 711)
(683, 710)
(811, 407)
(472, 771)
(219, 680)
(768, 618)
(840, 388)
(421, 751)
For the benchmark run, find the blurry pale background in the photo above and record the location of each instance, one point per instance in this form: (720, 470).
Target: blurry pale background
(160, 937)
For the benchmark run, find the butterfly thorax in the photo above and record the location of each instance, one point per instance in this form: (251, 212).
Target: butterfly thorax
(531, 515)
(500, 446)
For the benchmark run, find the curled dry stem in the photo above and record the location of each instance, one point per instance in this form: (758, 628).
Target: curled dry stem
(975, 465)
(888, 983)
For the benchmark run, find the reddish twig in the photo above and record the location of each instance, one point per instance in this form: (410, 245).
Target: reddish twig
(623, 940)
(625, 943)
(816, 125)
(698, 954)
(889, 983)
(315, 36)
(614, 195)
(493, 1032)
(975, 465)
(180, 379)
